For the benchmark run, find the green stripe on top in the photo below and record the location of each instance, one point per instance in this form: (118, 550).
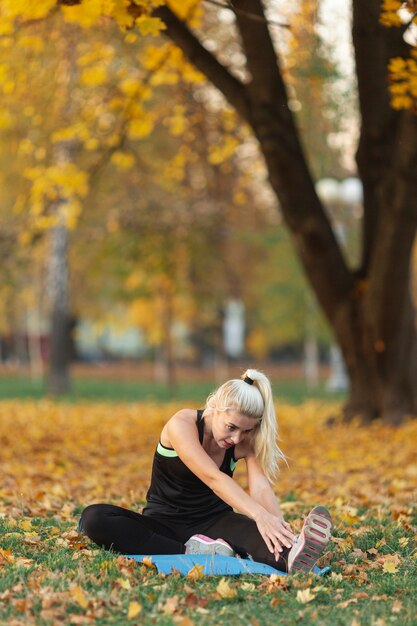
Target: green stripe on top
(165, 451)
(233, 464)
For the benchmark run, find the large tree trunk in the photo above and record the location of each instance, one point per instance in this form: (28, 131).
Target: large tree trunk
(369, 310)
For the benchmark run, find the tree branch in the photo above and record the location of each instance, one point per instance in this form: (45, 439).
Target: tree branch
(256, 18)
(233, 90)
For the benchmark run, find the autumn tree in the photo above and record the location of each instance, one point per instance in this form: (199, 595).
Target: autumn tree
(368, 308)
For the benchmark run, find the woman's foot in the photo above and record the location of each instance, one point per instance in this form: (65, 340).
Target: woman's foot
(200, 544)
(313, 539)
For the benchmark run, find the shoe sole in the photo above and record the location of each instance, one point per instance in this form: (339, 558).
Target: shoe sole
(315, 537)
(199, 546)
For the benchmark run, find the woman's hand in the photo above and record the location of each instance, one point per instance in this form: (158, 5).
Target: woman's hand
(275, 531)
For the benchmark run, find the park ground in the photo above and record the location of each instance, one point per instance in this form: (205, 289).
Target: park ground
(57, 457)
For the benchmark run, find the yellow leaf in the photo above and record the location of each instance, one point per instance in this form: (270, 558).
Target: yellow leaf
(133, 610)
(78, 595)
(26, 525)
(305, 595)
(94, 76)
(389, 567)
(147, 560)
(225, 590)
(123, 160)
(247, 587)
(150, 25)
(403, 541)
(196, 572)
(401, 102)
(124, 583)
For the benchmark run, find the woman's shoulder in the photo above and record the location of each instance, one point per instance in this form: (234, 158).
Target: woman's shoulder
(184, 418)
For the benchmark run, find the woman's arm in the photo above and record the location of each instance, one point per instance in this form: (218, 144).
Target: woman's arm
(260, 488)
(183, 437)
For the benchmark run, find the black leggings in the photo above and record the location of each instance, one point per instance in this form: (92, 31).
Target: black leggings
(127, 532)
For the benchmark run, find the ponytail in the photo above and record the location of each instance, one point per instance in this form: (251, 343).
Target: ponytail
(252, 396)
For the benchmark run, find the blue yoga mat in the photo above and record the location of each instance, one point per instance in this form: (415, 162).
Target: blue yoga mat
(212, 565)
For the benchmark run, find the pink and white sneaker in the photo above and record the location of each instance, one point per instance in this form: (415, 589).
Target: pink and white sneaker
(200, 544)
(313, 539)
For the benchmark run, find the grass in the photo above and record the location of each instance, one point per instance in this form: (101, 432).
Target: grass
(58, 576)
(13, 387)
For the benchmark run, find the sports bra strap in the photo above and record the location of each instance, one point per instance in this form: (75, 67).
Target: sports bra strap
(200, 424)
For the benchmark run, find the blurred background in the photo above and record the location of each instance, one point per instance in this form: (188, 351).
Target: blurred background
(139, 231)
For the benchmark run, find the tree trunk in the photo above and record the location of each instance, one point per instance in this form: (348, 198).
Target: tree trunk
(383, 375)
(58, 381)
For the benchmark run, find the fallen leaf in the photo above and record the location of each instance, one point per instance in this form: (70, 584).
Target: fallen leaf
(124, 583)
(185, 621)
(305, 595)
(78, 595)
(397, 606)
(170, 605)
(343, 605)
(133, 610)
(196, 572)
(389, 568)
(26, 525)
(225, 590)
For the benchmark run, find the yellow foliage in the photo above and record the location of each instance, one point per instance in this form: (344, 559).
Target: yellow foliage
(94, 76)
(95, 54)
(401, 102)
(86, 13)
(78, 130)
(403, 82)
(150, 25)
(123, 160)
(219, 153)
(34, 43)
(6, 119)
(12, 9)
(130, 86)
(139, 128)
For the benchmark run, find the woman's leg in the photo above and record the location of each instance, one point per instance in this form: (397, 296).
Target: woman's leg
(243, 535)
(127, 532)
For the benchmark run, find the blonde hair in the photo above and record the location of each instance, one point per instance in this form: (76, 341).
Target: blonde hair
(256, 401)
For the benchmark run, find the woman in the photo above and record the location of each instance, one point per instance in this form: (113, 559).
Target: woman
(193, 503)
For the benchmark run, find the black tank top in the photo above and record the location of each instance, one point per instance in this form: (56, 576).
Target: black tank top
(175, 492)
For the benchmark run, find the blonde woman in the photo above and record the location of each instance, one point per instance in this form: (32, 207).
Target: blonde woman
(193, 503)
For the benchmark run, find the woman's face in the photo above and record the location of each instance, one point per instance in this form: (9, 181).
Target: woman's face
(230, 428)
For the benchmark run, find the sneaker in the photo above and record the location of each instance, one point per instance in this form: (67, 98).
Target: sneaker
(314, 538)
(200, 544)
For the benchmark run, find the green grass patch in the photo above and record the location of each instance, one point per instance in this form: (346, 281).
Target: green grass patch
(90, 389)
(50, 574)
